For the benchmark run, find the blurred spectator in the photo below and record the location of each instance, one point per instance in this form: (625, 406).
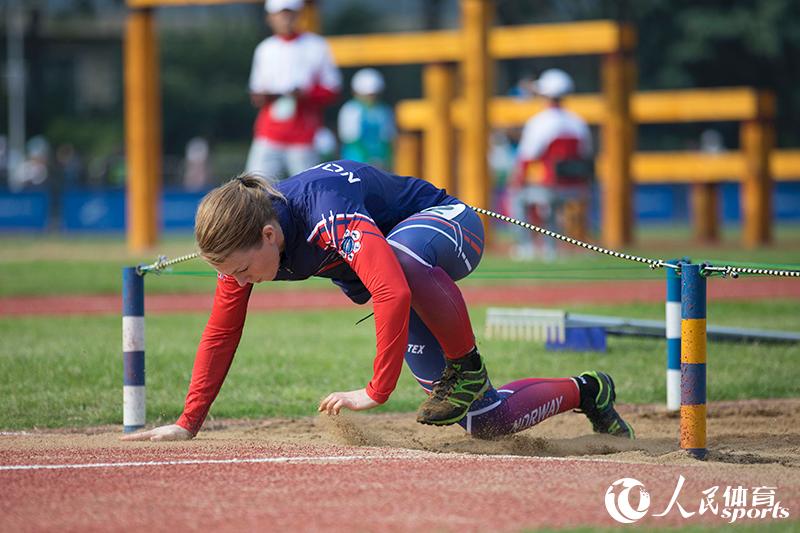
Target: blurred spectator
(553, 167)
(116, 171)
(3, 161)
(196, 168)
(502, 155)
(325, 144)
(366, 125)
(107, 170)
(33, 172)
(711, 142)
(66, 175)
(524, 88)
(292, 79)
(503, 144)
(69, 166)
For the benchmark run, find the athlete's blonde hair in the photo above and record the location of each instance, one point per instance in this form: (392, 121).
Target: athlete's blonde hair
(231, 217)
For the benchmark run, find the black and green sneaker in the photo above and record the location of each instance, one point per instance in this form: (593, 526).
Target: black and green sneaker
(600, 409)
(455, 392)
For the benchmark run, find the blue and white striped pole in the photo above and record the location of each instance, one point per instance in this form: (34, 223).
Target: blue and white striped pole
(133, 391)
(673, 328)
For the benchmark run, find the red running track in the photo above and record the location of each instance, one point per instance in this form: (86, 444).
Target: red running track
(335, 488)
(551, 294)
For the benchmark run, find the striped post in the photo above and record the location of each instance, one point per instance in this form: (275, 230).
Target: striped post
(673, 327)
(693, 360)
(133, 391)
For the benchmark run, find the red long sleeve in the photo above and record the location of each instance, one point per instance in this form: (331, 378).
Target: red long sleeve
(364, 247)
(215, 352)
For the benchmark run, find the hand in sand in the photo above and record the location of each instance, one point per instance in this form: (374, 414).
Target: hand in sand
(355, 400)
(170, 432)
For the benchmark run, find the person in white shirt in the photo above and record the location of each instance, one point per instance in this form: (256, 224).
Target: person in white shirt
(292, 79)
(553, 164)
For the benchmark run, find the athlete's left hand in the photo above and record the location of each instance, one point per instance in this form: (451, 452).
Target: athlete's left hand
(356, 400)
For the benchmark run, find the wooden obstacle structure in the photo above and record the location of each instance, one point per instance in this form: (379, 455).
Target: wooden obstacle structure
(440, 116)
(447, 117)
(472, 50)
(754, 165)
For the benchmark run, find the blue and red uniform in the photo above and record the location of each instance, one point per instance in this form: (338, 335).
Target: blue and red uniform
(401, 242)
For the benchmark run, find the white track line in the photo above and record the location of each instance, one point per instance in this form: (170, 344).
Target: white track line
(417, 455)
(332, 459)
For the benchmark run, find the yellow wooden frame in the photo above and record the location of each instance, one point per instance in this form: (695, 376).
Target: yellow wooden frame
(472, 48)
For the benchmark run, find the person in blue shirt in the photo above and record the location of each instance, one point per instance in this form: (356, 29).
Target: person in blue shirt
(366, 125)
(398, 241)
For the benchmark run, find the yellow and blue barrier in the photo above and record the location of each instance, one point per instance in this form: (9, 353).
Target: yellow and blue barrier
(693, 360)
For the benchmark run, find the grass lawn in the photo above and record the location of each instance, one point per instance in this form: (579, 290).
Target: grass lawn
(67, 371)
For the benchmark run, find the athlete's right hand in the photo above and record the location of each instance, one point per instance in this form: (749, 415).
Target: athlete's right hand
(170, 432)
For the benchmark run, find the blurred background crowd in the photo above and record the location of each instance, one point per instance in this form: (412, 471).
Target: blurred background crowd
(61, 112)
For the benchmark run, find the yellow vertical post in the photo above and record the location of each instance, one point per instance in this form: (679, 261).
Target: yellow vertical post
(631, 76)
(705, 216)
(309, 17)
(407, 154)
(473, 179)
(757, 140)
(617, 146)
(142, 130)
(438, 136)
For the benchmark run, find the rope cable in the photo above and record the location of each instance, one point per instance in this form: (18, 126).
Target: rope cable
(653, 263)
(162, 262)
(707, 269)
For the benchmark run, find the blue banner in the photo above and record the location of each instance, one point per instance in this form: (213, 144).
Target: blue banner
(24, 211)
(178, 209)
(87, 210)
(785, 202)
(661, 203)
(93, 210)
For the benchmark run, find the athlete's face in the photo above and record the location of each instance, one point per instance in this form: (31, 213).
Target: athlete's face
(259, 263)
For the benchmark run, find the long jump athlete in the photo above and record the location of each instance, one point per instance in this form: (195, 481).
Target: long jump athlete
(398, 241)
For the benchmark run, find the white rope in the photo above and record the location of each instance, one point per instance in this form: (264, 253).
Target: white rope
(162, 262)
(653, 263)
(707, 269)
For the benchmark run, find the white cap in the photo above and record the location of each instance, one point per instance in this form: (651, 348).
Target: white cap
(276, 6)
(367, 81)
(554, 83)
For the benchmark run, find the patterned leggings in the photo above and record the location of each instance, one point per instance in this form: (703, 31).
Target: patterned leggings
(435, 248)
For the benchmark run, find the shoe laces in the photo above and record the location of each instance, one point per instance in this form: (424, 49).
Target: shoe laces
(442, 387)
